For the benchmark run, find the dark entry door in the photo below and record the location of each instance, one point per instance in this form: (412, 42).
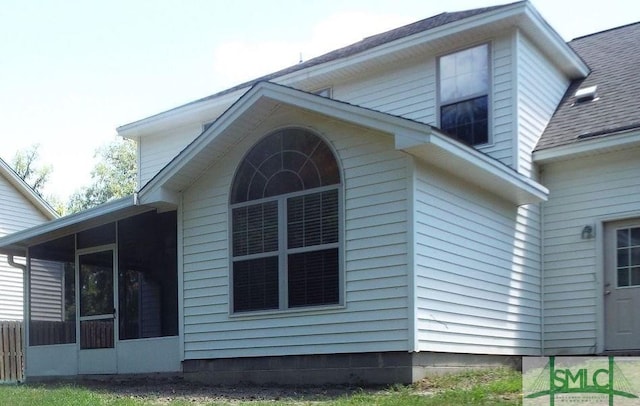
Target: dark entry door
(97, 318)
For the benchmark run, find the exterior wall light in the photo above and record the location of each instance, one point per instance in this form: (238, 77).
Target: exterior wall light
(588, 232)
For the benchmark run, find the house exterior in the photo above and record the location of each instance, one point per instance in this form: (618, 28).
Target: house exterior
(413, 200)
(20, 208)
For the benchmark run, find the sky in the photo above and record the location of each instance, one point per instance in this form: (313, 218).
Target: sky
(72, 71)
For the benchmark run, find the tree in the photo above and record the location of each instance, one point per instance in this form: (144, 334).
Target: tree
(114, 176)
(26, 166)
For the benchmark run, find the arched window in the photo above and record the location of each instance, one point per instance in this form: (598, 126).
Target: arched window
(285, 224)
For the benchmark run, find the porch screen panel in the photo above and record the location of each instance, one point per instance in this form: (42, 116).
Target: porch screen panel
(52, 307)
(147, 276)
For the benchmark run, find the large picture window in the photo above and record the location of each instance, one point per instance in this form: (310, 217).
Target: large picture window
(464, 94)
(285, 224)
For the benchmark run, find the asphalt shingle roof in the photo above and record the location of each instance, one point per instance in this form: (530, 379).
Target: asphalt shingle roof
(367, 43)
(614, 59)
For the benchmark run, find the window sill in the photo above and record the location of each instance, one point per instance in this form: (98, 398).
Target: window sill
(262, 314)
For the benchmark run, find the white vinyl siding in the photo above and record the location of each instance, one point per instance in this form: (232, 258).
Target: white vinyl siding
(477, 262)
(47, 290)
(501, 125)
(408, 91)
(158, 150)
(16, 213)
(541, 86)
(374, 315)
(582, 192)
(11, 291)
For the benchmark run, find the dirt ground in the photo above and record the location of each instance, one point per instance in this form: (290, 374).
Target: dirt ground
(169, 389)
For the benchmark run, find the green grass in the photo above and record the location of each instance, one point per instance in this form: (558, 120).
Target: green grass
(499, 386)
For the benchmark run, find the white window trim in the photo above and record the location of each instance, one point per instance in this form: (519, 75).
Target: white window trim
(281, 310)
(489, 94)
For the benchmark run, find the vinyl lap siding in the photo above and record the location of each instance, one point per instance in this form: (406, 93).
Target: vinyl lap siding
(11, 292)
(46, 284)
(583, 191)
(16, 213)
(408, 91)
(158, 150)
(375, 313)
(502, 129)
(477, 270)
(540, 88)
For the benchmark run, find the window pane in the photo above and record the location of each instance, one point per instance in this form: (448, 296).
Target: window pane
(635, 256)
(299, 140)
(467, 120)
(330, 217)
(255, 284)
(635, 276)
(283, 162)
(312, 219)
(623, 238)
(327, 166)
(623, 257)
(255, 229)
(282, 183)
(313, 278)
(635, 236)
(464, 74)
(623, 277)
(264, 149)
(240, 189)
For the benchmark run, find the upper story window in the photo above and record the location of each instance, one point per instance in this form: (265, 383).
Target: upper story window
(285, 227)
(464, 94)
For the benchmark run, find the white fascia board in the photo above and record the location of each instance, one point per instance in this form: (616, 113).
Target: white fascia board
(176, 117)
(473, 166)
(548, 39)
(52, 229)
(161, 198)
(626, 140)
(21, 186)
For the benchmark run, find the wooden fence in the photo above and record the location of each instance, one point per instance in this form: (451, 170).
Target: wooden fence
(11, 354)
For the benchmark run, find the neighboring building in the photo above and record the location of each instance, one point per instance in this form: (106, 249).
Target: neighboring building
(20, 208)
(417, 199)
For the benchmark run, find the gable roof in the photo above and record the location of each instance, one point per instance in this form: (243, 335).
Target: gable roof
(614, 58)
(24, 189)
(368, 43)
(430, 35)
(266, 98)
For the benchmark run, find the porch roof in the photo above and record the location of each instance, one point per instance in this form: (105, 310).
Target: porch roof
(17, 243)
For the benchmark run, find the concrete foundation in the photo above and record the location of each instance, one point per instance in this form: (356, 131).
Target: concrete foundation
(379, 368)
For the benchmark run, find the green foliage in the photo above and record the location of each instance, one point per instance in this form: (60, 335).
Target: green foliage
(114, 176)
(25, 163)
